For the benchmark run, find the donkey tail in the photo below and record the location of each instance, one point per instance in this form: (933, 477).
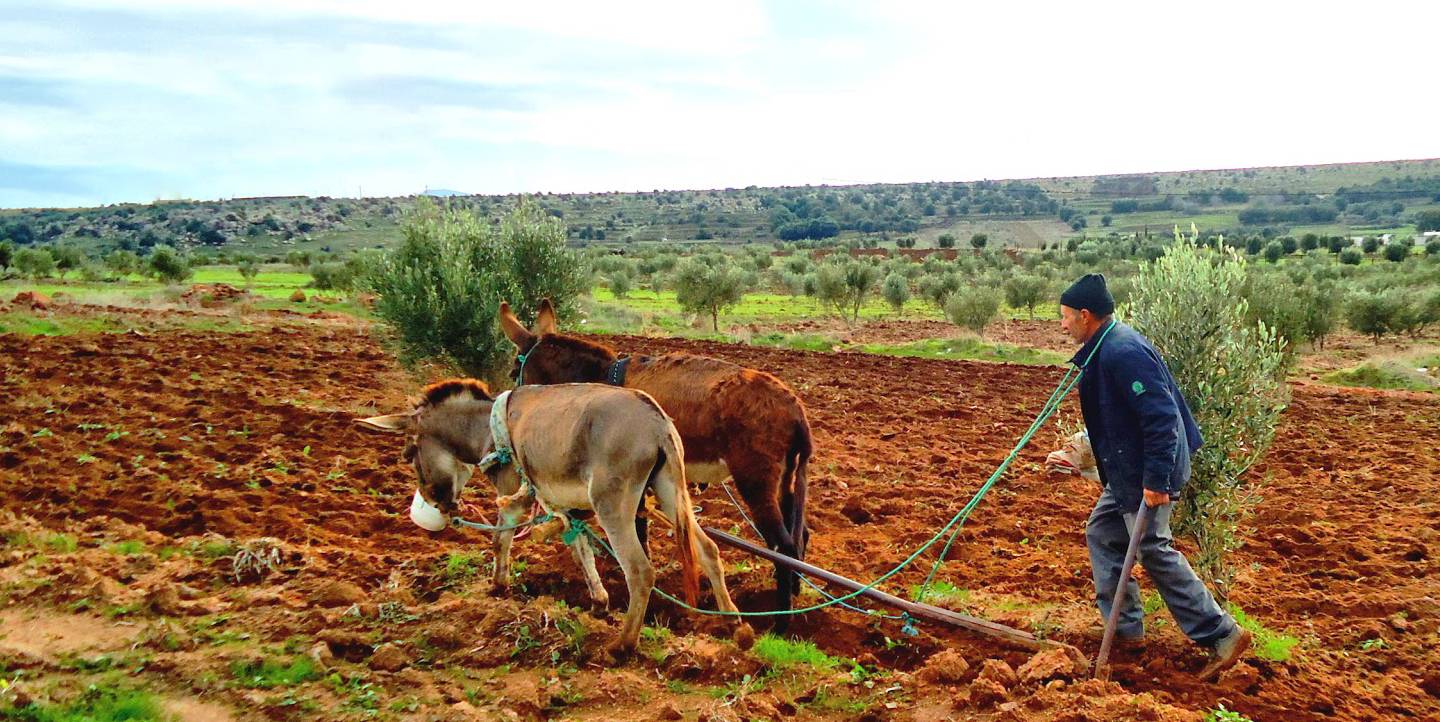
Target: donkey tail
(797, 462)
(668, 481)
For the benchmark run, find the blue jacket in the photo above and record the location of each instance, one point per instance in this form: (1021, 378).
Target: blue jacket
(1140, 428)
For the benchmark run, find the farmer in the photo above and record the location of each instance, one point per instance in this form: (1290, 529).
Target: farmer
(1142, 435)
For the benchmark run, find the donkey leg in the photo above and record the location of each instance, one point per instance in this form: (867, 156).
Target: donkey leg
(710, 563)
(616, 515)
(585, 557)
(759, 487)
(500, 583)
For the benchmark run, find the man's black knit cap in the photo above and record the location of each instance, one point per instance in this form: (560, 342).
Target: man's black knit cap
(1089, 293)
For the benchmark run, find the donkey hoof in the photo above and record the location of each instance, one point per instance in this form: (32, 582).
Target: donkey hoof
(744, 636)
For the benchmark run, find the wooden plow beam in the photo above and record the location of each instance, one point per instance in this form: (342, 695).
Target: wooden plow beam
(1009, 635)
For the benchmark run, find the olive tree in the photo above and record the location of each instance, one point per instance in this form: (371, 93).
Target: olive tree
(439, 291)
(973, 307)
(1190, 305)
(709, 285)
(168, 265)
(1025, 292)
(896, 291)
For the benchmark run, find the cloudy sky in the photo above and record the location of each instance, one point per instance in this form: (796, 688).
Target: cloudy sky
(106, 101)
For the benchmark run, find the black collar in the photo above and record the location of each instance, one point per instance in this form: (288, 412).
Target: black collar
(616, 375)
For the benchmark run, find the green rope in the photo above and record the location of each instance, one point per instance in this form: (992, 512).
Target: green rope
(532, 521)
(1062, 390)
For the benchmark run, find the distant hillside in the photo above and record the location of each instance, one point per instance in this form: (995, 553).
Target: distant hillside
(1325, 199)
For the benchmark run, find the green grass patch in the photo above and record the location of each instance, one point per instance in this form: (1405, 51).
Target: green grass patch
(1390, 374)
(270, 673)
(27, 324)
(940, 592)
(96, 704)
(967, 349)
(460, 566)
(129, 547)
(1269, 644)
(61, 543)
(782, 653)
(1220, 714)
(213, 549)
(798, 342)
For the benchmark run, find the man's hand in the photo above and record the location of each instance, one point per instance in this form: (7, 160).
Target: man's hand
(1156, 498)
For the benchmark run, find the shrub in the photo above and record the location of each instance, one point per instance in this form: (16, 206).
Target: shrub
(1231, 372)
(1397, 251)
(92, 272)
(937, 287)
(67, 258)
(299, 259)
(709, 285)
(1373, 314)
(1319, 307)
(979, 240)
(248, 269)
(619, 283)
(1432, 247)
(167, 265)
(1272, 298)
(1025, 292)
(332, 276)
(440, 289)
(973, 307)
(1274, 251)
(896, 290)
(7, 254)
(34, 262)
(830, 288)
(860, 279)
(1416, 311)
(946, 240)
(1351, 256)
(1370, 244)
(122, 262)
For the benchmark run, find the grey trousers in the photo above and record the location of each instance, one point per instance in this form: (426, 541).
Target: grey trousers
(1194, 608)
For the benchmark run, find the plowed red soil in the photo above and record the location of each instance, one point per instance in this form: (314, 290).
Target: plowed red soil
(177, 438)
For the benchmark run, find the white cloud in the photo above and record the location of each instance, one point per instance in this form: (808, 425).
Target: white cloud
(312, 96)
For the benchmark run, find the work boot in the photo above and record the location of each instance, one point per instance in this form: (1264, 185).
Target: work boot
(1226, 653)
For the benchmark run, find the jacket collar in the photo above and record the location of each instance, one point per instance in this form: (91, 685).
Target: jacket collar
(1089, 346)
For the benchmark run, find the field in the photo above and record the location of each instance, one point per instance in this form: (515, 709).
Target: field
(192, 522)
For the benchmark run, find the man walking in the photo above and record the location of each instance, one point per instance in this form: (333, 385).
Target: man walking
(1142, 436)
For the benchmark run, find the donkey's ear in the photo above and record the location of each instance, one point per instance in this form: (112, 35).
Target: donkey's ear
(390, 423)
(514, 330)
(545, 319)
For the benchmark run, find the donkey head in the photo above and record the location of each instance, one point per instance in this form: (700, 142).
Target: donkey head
(550, 357)
(447, 433)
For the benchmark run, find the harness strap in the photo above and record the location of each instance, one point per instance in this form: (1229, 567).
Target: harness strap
(616, 375)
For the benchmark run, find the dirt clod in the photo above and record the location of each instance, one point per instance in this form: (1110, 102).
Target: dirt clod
(1047, 665)
(338, 594)
(389, 658)
(997, 671)
(946, 667)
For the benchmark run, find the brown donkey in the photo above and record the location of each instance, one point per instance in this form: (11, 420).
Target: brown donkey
(734, 421)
